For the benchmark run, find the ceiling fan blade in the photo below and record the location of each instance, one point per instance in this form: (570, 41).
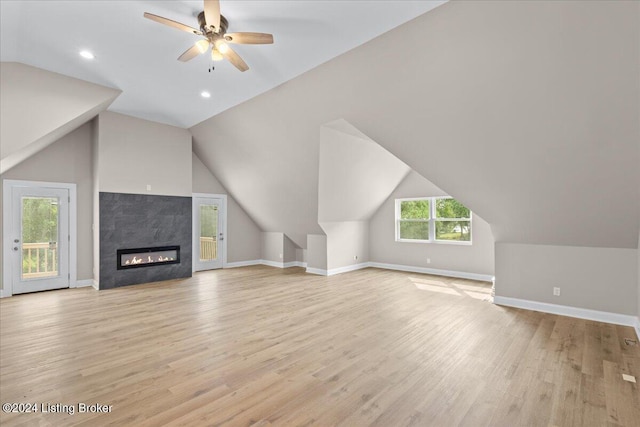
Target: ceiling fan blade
(212, 14)
(249, 38)
(231, 56)
(190, 53)
(171, 23)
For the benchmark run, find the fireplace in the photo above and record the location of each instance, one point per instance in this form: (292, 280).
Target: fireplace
(143, 226)
(147, 257)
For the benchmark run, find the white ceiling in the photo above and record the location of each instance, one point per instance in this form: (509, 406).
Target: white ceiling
(138, 56)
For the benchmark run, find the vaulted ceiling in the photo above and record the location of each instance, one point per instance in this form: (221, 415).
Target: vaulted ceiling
(528, 112)
(29, 123)
(138, 56)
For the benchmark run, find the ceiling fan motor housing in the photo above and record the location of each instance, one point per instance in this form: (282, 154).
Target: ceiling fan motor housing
(224, 24)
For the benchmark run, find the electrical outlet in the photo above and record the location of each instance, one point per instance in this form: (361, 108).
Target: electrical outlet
(148, 187)
(428, 260)
(355, 257)
(280, 256)
(556, 292)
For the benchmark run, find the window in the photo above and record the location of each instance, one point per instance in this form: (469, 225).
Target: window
(433, 219)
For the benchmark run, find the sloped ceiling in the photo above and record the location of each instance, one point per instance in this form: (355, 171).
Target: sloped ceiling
(273, 177)
(139, 56)
(528, 112)
(38, 107)
(356, 175)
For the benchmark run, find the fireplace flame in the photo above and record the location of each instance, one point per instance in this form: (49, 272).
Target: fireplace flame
(135, 260)
(148, 256)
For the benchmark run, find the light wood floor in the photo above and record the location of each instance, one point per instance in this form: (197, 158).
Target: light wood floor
(269, 347)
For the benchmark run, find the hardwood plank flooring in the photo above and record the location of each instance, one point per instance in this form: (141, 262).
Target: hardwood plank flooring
(261, 346)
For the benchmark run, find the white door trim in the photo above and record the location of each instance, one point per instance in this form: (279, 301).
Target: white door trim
(7, 216)
(224, 228)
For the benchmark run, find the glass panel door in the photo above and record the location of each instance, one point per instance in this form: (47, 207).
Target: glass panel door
(208, 235)
(40, 237)
(208, 232)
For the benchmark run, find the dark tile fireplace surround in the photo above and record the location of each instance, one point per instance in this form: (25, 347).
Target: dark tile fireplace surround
(143, 222)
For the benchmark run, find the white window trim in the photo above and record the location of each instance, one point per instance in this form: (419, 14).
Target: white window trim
(432, 223)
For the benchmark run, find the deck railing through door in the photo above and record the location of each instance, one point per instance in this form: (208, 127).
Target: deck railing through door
(39, 260)
(208, 248)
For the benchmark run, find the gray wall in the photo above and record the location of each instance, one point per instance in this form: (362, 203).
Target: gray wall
(277, 247)
(604, 279)
(95, 194)
(1, 232)
(477, 258)
(301, 255)
(317, 251)
(66, 160)
(272, 246)
(243, 235)
(134, 153)
(346, 240)
(355, 174)
(289, 250)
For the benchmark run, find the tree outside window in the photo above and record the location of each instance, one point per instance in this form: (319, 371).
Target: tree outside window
(432, 219)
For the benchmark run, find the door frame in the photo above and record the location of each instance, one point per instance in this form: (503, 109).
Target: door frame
(7, 220)
(194, 249)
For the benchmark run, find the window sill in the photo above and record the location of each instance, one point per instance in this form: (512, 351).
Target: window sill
(436, 242)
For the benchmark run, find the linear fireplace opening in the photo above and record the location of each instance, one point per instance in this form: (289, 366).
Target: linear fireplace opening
(147, 257)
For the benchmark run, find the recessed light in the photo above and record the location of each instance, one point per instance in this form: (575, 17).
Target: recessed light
(86, 54)
(205, 94)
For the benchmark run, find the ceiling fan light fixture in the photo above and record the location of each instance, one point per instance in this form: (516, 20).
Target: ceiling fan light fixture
(202, 45)
(216, 55)
(222, 46)
(213, 27)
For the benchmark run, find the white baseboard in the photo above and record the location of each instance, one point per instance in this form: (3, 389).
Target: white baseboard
(339, 270)
(637, 327)
(434, 271)
(565, 310)
(242, 263)
(95, 285)
(265, 262)
(272, 263)
(334, 271)
(347, 268)
(318, 271)
(78, 284)
(295, 264)
(83, 283)
(397, 267)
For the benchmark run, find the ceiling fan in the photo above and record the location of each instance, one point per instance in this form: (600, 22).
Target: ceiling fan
(213, 27)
